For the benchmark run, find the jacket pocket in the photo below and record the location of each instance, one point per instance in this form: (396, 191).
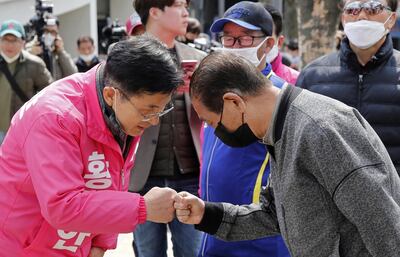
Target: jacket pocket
(52, 242)
(39, 237)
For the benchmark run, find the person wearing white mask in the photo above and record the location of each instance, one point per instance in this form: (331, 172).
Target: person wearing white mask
(87, 56)
(246, 30)
(58, 61)
(26, 73)
(365, 72)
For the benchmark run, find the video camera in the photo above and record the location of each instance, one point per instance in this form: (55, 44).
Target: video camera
(205, 44)
(36, 26)
(112, 33)
(43, 10)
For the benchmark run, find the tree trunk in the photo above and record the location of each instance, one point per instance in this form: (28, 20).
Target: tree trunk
(289, 15)
(290, 27)
(317, 25)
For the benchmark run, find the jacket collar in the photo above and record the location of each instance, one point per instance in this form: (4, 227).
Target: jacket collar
(179, 51)
(21, 58)
(95, 60)
(96, 124)
(267, 71)
(277, 63)
(348, 57)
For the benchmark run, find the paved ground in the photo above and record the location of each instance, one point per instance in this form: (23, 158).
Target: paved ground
(124, 247)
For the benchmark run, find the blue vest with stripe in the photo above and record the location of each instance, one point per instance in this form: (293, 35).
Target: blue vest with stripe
(235, 175)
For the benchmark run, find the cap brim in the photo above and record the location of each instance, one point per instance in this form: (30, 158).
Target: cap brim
(218, 25)
(137, 25)
(12, 32)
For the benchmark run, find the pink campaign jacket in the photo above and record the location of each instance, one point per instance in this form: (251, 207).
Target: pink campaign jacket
(283, 71)
(62, 176)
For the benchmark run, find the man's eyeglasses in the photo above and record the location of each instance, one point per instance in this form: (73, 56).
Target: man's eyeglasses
(149, 117)
(370, 7)
(245, 41)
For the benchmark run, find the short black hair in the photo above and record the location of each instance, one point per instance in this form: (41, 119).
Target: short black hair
(276, 17)
(194, 26)
(391, 3)
(222, 72)
(142, 64)
(83, 39)
(142, 7)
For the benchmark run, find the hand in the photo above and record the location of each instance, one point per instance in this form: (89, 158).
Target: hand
(59, 44)
(186, 78)
(188, 67)
(96, 252)
(189, 208)
(36, 49)
(160, 204)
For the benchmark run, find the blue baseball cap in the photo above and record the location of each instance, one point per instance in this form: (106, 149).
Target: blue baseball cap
(12, 27)
(248, 15)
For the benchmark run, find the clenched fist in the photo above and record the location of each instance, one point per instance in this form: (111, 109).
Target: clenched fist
(189, 208)
(160, 204)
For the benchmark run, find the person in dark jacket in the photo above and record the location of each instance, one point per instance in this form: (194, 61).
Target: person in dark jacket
(87, 56)
(365, 72)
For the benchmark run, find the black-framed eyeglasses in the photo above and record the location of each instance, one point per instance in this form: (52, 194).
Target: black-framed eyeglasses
(245, 41)
(371, 8)
(147, 117)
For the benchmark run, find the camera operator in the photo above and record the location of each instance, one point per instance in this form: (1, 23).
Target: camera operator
(195, 38)
(112, 34)
(21, 74)
(61, 63)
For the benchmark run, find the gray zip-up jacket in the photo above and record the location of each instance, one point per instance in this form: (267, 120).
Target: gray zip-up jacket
(333, 189)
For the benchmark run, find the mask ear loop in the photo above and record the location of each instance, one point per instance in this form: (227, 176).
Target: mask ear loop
(387, 30)
(115, 110)
(115, 101)
(264, 54)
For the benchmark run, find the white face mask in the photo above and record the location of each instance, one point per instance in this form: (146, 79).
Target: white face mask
(273, 53)
(87, 57)
(364, 34)
(250, 53)
(10, 59)
(48, 40)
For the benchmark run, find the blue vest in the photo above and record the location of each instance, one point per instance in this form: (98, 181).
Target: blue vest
(236, 175)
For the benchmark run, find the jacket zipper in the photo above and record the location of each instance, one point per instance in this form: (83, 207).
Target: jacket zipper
(203, 248)
(360, 89)
(122, 179)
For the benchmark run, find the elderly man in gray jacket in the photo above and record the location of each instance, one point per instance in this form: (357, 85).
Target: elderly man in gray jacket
(333, 190)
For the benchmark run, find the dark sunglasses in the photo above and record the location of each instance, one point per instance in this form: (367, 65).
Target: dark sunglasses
(370, 7)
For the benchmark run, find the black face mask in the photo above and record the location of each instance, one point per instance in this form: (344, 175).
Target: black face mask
(241, 137)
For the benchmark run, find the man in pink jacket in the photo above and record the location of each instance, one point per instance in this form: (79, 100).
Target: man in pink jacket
(65, 162)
